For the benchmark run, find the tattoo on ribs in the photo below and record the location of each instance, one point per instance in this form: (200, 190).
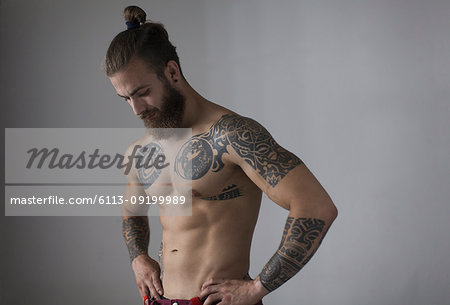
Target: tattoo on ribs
(297, 246)
(248, 138)
(136, 234)
(227, 193)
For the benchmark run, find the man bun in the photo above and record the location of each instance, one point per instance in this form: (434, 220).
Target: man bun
(143, 38)
(134, 14)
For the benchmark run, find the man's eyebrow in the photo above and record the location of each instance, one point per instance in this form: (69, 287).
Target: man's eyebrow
(135, 90)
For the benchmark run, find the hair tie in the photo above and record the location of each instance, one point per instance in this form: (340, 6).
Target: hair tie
(132, 25)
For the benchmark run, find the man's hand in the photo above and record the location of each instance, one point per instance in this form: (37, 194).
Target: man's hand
(232, 292)
(147, 272)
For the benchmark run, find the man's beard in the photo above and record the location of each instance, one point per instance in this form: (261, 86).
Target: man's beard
(161, 124)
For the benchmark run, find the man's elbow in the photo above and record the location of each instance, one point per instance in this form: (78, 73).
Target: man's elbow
(320, 209)
(133, 210)
(326, 208)
(326, 211)
(331, 212)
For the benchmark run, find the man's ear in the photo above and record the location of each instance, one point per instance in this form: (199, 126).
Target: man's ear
(173, 71)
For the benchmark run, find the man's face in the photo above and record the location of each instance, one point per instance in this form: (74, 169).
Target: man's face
(155, 101)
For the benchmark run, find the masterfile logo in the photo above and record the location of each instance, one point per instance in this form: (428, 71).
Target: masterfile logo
(85, 171)
(53, 159)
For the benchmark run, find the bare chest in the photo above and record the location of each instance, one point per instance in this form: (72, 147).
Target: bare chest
(197, 167)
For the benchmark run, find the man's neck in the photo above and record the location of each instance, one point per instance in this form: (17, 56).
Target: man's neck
(194, 107)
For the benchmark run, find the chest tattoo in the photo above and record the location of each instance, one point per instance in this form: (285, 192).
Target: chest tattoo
(148, 175)
(204, 152)
(227, 193)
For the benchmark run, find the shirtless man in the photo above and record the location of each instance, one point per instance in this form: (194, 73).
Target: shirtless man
(206, 255)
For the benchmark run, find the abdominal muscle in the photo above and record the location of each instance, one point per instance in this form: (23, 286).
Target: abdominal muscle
(212, 243)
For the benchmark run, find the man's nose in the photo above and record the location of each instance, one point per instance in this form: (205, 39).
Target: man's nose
(138, 106)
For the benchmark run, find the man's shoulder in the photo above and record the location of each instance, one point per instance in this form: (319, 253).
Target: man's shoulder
(232, 130)
(240, 128)
(231, 123)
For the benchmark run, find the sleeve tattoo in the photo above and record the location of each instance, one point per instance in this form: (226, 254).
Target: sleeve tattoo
(301, 238)
(255, 145)
(136, 233)
(249, 139)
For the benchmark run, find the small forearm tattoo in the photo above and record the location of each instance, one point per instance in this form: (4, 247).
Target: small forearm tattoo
(136, 233)
(301, 238)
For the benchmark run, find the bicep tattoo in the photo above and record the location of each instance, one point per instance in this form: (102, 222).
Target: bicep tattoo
(136, 233)
(256, 146)
(301, 238)
(249, 139)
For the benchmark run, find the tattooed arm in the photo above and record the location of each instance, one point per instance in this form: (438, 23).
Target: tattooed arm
(136, 232)
(287, 181)
(301, 238)
(135, 229)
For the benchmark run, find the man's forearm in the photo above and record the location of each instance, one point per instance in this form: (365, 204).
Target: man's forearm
(136, 233)
(301, 238)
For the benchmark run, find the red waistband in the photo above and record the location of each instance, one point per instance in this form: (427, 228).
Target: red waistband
(196, 301)
(193, 301)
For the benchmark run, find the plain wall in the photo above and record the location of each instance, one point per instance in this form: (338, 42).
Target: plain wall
(359, 90)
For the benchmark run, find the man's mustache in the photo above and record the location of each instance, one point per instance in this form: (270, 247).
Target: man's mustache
(143, 115)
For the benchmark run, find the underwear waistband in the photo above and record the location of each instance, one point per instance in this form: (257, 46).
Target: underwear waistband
(193, 301)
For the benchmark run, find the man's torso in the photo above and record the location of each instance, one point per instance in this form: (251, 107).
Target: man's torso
(215, 241)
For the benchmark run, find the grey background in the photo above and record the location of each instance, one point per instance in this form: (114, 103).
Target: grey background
(358, 89)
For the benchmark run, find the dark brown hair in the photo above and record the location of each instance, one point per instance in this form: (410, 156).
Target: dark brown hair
(147, 40)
